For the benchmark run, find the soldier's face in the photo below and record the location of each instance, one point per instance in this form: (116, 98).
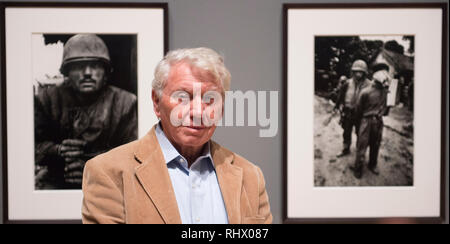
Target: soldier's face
(87, 77)
(358, 75)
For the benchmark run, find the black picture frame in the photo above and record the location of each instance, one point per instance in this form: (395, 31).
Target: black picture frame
(4, 125)
(345, 6)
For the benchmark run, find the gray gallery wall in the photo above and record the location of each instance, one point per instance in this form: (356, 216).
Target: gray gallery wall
(249, 34)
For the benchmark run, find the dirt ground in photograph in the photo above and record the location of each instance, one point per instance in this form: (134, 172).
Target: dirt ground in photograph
(395, 159)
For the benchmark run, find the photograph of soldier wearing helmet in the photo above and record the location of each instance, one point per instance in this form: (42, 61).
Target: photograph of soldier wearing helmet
(364, 110)
(85, 102)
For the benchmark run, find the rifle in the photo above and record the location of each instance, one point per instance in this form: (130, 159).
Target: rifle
(332, 115)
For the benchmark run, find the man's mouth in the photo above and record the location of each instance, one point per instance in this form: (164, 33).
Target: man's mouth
(196, 127)
(87, 81)
(87, 84)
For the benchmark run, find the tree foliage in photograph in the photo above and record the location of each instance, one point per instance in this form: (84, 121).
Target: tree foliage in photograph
(334, 56)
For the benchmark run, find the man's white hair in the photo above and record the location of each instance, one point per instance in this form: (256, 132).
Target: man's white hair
(202, 58)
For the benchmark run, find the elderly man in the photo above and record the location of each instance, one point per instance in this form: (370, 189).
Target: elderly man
(176, 173)
(346, 101)
(82, 117)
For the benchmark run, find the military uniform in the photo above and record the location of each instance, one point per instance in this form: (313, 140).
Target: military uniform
(347, 97)
(107, 123)
(70, 127)
(370, 108)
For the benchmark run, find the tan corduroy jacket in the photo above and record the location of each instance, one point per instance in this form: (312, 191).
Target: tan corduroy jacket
(131, 184)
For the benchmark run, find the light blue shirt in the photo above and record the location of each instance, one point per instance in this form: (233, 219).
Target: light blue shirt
(196, 189)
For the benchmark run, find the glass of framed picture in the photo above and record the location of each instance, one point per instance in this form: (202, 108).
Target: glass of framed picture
(76, 83)
(364, 89)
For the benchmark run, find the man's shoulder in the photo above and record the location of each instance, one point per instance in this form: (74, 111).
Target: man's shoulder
(123, 94)
(245, 164)
(346, 82)
(240, 161)
(367, 90)
(367, 82)
(49, 95)
(124, 101)
(53, 90)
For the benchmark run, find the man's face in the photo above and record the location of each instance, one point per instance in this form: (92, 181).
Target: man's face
(87, 77)
(358, 75)
(180, 85)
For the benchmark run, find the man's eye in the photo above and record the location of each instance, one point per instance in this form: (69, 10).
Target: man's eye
(208, 99)
(76, 67)
(97, 66)
(183, 95)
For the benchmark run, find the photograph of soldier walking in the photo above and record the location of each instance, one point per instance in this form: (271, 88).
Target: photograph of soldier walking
(85, 102)
(364, 111)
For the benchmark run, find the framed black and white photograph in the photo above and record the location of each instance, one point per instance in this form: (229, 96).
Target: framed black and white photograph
(364, 89)
(346, 68)
(77, 83)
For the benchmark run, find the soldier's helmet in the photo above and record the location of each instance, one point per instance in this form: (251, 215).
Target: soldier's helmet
(360, 65)
(85, 47)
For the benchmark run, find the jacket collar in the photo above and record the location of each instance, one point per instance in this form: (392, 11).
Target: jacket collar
(154, 177)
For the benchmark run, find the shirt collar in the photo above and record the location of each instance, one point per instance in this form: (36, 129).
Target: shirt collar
(170, 152)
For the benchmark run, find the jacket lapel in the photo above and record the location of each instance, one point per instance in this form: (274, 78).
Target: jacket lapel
(230, 181)
(154, 178)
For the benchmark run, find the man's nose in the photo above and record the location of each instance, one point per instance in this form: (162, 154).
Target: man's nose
(87, 71)
(197, 107)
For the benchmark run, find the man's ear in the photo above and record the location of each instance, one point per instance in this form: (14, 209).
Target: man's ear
(156, 99)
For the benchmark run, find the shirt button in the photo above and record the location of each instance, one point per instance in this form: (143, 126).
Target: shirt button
(181, 160)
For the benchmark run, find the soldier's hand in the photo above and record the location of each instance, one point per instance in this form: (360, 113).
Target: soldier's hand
(72, 149)
(74, 143)
(73, 171)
